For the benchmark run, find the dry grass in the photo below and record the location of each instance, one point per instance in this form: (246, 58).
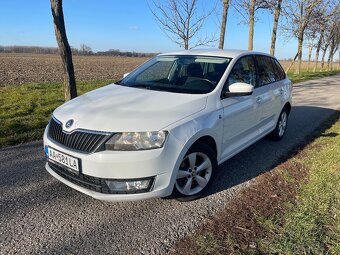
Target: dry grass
(16, 69)
(305, 66)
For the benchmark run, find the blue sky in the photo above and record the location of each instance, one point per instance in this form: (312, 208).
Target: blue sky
(121, 24)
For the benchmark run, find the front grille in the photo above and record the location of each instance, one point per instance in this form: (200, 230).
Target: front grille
(88, 182)
(83, 141)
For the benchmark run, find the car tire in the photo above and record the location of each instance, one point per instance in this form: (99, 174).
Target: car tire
(196, 173)
(281, 126)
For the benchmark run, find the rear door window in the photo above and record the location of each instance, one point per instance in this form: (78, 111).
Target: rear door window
(265, 70)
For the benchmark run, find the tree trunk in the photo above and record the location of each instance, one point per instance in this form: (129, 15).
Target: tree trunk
(318, 47)
(329, 61)
(300, 41)
(323, 57)
(251, 25)
(276, 22)
(224, 23)
(332, 62)
(186, 44)
(310, 48)
(292, 63)
(70, 89)
(330, 56)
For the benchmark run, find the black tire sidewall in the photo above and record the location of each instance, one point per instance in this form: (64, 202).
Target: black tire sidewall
(275, 134)
(203, 148)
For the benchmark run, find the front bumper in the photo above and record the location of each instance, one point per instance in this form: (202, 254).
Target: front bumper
(122, 165)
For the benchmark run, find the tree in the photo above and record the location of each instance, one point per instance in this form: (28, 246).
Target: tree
(247, 9)
(310, 47)
(318, 46)
(320, 27)
(85, 50)
(333, 41)
(70, 89)
(324, 51)
(277, 12)
(299, 16)
(223, 23)
(181, 22)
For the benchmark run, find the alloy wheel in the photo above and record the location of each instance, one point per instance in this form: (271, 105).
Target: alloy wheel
(282, 123)
(194, 173)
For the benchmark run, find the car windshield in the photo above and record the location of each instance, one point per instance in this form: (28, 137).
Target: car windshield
(179, 74)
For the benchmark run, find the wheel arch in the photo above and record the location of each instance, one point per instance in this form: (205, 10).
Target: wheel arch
(208, 140)
(287, 106)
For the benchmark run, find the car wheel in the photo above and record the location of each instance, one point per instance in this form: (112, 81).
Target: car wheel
(195, 173)
(281, 126)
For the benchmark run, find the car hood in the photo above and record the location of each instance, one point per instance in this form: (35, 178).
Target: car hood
(115, 108)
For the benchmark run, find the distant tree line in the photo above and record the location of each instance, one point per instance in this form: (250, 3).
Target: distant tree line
(83, 50)
(29, 49)
(114, 52)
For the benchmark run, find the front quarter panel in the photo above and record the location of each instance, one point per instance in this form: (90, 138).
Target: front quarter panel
(208, 124)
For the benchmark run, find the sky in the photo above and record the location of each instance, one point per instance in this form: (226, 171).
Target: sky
(127, 25)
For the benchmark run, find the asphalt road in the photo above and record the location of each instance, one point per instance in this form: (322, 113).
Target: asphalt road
(39, 215)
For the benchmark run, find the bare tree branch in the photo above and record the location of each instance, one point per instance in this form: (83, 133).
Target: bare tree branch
(181, 22)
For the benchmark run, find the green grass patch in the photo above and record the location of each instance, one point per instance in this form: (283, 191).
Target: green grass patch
(26, 109)
(304, 75)
(311, 224)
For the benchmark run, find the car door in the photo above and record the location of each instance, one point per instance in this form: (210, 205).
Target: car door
(281, 87)
(268, 93)
(240, 113)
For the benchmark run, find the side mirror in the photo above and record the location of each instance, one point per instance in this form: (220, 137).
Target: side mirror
(239, 89)
(126, 74)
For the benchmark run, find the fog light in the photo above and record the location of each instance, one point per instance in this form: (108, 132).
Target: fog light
(129, 185)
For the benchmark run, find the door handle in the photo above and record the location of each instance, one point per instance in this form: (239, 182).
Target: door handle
(258, 100)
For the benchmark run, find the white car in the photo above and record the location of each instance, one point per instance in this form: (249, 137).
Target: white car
(166, 126)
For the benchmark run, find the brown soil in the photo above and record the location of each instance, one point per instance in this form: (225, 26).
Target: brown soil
(19, 68)
(16, 69)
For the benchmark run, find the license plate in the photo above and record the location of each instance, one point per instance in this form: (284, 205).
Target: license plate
(63, 159)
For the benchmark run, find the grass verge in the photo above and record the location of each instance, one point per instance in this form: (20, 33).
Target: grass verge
(293, 209)
(305, 76)
(25, 109)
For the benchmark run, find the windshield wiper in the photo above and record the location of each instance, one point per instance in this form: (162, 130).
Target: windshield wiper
(143, 86)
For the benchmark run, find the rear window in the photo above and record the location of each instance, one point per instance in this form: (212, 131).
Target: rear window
(279, 73)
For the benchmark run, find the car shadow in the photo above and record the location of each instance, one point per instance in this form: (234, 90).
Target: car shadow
(305, 124)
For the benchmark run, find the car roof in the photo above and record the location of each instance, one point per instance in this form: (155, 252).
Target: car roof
(228, 53)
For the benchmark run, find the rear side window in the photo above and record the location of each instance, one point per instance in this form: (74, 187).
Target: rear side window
(243, 71)
(265, 70)
(279, 73)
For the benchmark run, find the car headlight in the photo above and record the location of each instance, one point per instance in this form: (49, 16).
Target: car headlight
(133, 141)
